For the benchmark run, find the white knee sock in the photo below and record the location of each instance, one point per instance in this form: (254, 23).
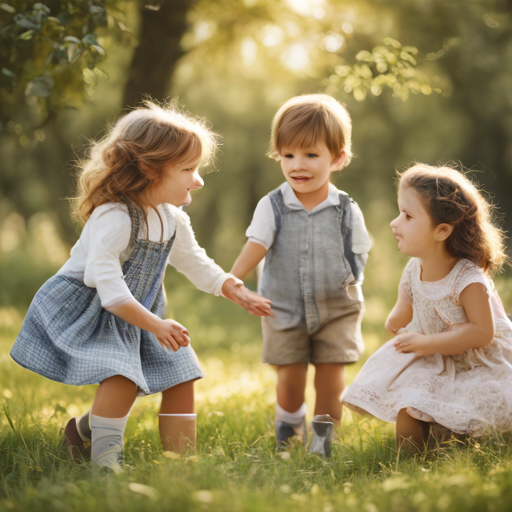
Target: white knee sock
(107, 440)
(292, 418)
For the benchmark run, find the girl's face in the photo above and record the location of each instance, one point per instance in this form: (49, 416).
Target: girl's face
(307, 170)
(177, 182)
(413, 228)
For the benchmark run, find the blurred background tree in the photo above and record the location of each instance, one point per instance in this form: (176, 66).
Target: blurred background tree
(424, 80)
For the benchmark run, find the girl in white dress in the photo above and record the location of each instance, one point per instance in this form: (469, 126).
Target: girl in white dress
(450, 362)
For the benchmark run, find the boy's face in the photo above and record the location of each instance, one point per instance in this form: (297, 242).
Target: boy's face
(307, 170)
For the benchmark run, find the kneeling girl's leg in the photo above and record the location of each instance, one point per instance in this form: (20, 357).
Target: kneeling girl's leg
(177, 420)
(411, 434)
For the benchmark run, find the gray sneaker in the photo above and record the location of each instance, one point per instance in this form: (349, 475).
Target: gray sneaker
(323, 428)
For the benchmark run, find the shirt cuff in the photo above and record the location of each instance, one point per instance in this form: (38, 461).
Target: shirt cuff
(258, 241)
(224, 279)
(117, 302)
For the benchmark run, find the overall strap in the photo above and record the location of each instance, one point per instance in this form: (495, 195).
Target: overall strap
(134, 212)
(161, 224)
(277, 201)
(346, 232)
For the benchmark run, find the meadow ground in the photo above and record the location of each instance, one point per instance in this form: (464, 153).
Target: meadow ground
(236, 467)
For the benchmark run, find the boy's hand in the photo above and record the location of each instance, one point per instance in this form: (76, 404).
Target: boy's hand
(412, 342)
(252, 302)
(172, 335)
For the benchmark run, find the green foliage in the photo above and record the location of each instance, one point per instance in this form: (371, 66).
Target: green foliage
(390, 65)
(48, 53)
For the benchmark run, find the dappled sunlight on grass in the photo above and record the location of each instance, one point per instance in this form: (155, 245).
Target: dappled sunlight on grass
(236, 466)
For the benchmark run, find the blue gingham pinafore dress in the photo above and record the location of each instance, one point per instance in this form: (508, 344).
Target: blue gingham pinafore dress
(68, 337)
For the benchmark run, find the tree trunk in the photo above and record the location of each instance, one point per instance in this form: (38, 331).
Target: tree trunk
(154, 60)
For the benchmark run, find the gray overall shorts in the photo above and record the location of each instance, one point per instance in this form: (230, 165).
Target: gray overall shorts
(306, 275)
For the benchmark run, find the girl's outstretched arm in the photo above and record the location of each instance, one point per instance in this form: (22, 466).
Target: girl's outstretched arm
(251, 255)
(478, 332)
(255, 304)
(169, 333)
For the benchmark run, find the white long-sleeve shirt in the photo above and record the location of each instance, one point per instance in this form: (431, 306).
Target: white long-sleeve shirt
(263, 226)
(102, 249)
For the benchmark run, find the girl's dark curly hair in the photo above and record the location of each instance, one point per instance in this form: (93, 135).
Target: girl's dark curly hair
(451, 198)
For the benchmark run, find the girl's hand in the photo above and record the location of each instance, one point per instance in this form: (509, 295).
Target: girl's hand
(252, 302)
(412, 342)
(172, 335)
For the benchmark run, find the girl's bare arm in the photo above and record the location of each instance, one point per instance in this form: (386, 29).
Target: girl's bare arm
(169, 333)
(478, 332)
(400, 315)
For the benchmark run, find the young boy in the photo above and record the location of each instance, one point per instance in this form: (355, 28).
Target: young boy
(316, 245)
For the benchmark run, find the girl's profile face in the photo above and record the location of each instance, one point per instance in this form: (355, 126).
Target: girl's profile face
(177, 182)
(413, 228)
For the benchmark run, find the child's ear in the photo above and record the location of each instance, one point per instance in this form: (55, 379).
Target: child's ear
(442, 232)
(339, 162)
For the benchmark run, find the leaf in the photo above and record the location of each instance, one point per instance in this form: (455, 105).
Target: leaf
(98, 49)
(89, 39)
(73, 52)
(8, 73)
(72, 39)
(392, 42)
(96, 9)
(8, 8)
(24, 23)
(40, 86)
(364, 56)
(26, 36)
(41, 7)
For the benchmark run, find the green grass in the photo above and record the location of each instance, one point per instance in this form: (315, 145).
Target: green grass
(236, 467)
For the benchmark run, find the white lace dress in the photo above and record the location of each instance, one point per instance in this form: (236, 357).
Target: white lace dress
(470, 393)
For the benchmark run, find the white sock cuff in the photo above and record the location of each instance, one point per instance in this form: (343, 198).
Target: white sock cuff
(188, 415)
(101, 422)
(293, 418)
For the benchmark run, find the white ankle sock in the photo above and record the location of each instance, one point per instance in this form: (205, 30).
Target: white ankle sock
(107, 440)
(292, 418)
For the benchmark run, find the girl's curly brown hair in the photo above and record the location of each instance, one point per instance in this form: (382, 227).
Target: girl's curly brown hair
(132, 156)
(451, 198)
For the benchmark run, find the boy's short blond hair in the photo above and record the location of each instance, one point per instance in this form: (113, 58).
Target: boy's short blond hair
(304, 120)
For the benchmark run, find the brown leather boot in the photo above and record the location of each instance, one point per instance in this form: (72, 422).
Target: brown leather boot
(76, 441)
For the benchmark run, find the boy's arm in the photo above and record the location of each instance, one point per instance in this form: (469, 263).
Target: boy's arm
(251, 255)
(478, 332)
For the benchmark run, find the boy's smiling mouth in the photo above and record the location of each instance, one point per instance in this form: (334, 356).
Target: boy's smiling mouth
(301, 179)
